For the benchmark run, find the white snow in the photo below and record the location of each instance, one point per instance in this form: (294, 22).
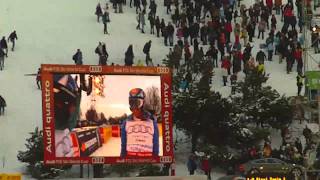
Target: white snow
(50, 32)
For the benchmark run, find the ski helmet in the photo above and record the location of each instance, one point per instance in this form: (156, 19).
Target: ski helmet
(136, 101)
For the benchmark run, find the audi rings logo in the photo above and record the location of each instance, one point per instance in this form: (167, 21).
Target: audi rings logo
(97, 160)
(95, 68)
(140, 129)
(163, 70)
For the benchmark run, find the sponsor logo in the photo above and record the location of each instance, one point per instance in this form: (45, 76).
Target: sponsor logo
(95, 69)
(97, 160)
(48, 116)
(163, 70)
(167, 134)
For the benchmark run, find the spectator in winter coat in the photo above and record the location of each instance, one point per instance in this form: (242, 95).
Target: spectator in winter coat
(162, 26)
(298, 58)
(267, 150)
(250, 29)
(158, 25)
(187, 55)
(129, 56)
(273, 22)
(153, 8)
(12, 37)
(278, 4)
(77, 57)
(191, 164)
(300, 79)
(177, 55)
(262, 27)
(98, 11)
(98, 49)
(261, 56)
(141, 20)
(4, 45)
(144, 4)
(212, 53)
(152, 22)
(38, 78)
(261, 68)
(225, 65)
(228, 30)
(105, 20)
(137, 3)
(204, 34)
(307, 133)
(2, 55)
(170, 33)
(290, 60)
(146, 51)
(270, 50)
(206, 167)
(3, 104)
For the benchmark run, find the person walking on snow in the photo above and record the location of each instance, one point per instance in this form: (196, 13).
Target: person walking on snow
(2, 54)
(141, 20)
(38, 78)
(77, 57)
(128, 60)
(105, 20)
(2, 105)
(146, 51)
(261, 56)
(300, 78)
(191, 164)
(206, 167)
(98, 12)
(12, 37)
(4, 45)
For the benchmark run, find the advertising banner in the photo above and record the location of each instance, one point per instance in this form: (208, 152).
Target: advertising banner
(106, 114)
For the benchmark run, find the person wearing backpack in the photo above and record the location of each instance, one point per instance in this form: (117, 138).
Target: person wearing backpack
(146, 51)
(105, 20)
(77, 57)
(12, 38)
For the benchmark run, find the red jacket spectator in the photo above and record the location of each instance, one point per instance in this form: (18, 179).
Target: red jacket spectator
(206, 165)
(288, 12)
(226, 63)
(228, 27)
(298, 54)
(179, 33)
(222, 39)
(269, 3)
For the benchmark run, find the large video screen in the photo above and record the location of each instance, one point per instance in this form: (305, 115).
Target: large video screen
(106, 114)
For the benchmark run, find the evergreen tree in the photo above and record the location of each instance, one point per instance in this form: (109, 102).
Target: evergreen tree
(259, 103)
(34, 157)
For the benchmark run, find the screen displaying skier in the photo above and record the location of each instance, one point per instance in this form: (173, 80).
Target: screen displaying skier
(117, 117)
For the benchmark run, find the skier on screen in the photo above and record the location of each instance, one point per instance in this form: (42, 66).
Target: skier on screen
(66, 110)
(139, 132)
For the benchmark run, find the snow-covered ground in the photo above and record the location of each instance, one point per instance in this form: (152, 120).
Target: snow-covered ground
(50, 32)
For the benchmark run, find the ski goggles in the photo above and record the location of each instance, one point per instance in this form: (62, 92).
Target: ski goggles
(135, 103)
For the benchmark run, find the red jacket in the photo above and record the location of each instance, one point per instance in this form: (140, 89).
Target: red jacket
(206, 165)
(222, 38)
(288, 12)
(228, 27)
(269, 3)
(297, 54)
(226, 64)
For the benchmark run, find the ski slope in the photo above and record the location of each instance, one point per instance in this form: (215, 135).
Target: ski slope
(50, 32)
